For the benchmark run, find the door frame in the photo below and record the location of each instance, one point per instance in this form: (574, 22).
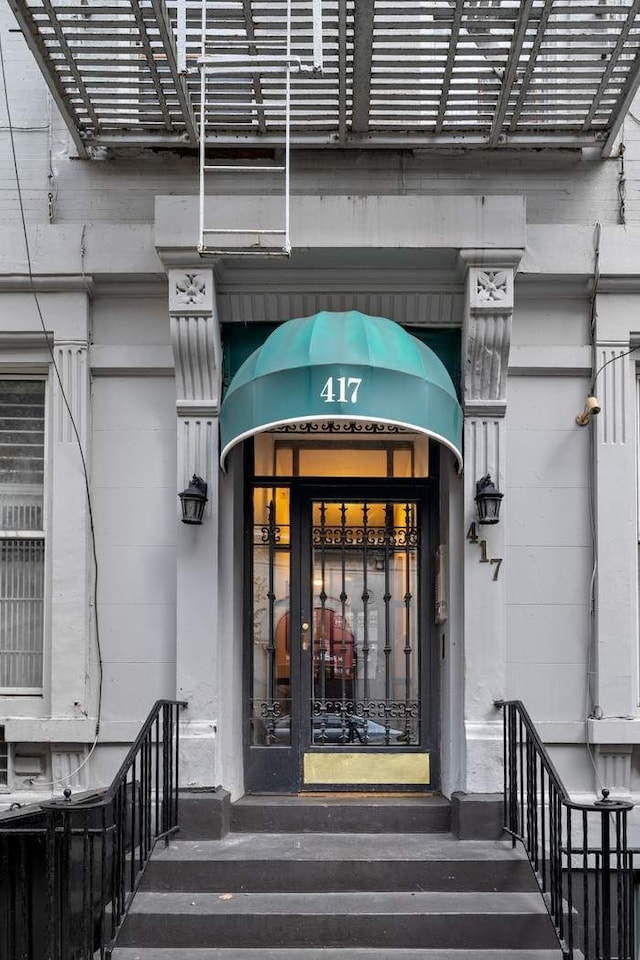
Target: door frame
(279, 769)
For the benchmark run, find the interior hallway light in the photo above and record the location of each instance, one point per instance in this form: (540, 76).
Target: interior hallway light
(488, 499)
(193, 500)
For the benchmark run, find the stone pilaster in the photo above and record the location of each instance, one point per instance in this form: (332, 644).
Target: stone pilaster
(485, 357)
(613, 435)
(71, 573)
(195, 337)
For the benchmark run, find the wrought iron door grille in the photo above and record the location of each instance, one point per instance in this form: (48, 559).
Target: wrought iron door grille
(365, 640)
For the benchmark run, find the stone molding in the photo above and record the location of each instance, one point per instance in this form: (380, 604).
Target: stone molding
(71, 358)
(612, 387)
(46, 283)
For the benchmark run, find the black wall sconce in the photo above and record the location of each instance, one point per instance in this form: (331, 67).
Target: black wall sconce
(488, 499)
(193, 500)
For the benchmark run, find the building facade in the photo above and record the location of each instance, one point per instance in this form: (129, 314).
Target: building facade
(340, 619)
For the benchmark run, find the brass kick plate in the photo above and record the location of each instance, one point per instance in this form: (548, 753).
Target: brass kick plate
(409, 768)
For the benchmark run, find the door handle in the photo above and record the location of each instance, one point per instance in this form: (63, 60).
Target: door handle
(304, 626)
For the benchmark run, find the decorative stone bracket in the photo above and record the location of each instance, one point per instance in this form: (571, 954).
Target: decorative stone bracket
(195, 338)
(487, 329)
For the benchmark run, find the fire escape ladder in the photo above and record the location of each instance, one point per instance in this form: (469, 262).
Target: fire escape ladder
(229, 56)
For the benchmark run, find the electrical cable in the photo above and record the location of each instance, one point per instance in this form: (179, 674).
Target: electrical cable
(619, 356)
(63, 394)
(589, 707)
(622, 188)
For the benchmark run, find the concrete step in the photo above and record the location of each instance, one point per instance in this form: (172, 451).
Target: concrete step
(492, 921)
(416, 813)
(327, 953)
(317, 862)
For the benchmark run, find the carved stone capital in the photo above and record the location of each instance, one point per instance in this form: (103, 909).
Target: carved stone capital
(490, 290)
(191, 291)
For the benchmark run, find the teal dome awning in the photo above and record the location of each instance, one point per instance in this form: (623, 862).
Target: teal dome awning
(342, 366)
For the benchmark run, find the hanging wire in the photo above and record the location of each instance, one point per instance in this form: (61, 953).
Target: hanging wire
(622, 188)
(73, 424)
(619, 356)
(590, 706)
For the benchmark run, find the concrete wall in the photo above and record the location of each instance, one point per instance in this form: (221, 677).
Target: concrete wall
(134, 498)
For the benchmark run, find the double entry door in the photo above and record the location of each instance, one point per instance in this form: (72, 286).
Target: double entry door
(340, 673)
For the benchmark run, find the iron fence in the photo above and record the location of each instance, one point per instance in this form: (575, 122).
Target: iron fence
(69, 868)
(579, 851)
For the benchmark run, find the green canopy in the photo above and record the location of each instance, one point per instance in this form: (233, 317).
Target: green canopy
(342, 366)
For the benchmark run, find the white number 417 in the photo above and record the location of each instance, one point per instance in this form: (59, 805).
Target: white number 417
(344, 384)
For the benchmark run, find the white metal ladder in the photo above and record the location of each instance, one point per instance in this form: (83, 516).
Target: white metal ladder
(232, 55)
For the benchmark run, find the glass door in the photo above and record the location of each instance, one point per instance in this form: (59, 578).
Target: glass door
(363, 634)
(339, 652)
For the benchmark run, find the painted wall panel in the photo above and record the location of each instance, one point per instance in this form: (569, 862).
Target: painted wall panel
(543, 458)
(556, 320)
(547, 516)
(130, 689)
(549, 691)
(539, 633)
(135, 517)
(145, 404)
(546, 403)
(126, 320)
(548, 575)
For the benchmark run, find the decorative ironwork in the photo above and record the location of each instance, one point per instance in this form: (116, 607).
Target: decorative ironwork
(350, 536)
(369, 709)
(338, 426)
(579, 851)
(268, 713)
(70, 868)
(365, 722)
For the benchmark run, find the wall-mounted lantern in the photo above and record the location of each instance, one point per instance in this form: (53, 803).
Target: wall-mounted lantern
(488, 499)
(193, 500)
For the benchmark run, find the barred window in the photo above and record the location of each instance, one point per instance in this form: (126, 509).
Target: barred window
(4, 761)
(22, 538)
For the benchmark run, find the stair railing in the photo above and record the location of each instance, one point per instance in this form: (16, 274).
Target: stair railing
(578, 851)
(70, 868)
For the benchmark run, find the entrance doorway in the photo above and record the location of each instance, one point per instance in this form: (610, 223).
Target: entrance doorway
(341, 670)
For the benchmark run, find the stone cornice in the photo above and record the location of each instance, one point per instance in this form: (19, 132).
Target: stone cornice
(488, 257)
(485, 408)
(46, 283)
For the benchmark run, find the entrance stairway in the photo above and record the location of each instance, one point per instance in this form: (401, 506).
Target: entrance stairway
(330, 878)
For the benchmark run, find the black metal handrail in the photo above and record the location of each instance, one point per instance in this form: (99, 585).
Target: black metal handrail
(579, 851)
(70, 868)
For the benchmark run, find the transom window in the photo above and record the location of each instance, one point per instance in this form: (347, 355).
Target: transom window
(339, 453)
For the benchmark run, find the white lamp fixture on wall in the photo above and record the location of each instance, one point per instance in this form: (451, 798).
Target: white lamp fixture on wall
(488, 499)
(193, 500)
